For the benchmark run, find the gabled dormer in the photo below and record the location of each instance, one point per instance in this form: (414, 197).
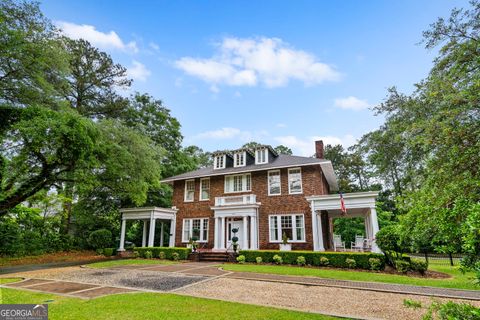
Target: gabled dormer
(222, 159)
(264, 154)
(243, 157)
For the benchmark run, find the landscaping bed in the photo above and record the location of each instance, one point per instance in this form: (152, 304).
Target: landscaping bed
(66, 256)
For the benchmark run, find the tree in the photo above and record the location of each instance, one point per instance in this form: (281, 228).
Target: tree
(281, 149)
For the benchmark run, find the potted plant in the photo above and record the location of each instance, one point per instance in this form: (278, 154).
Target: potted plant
(235, 239)
(285, 246)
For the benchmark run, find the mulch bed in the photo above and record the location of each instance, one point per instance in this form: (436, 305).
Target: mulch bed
(70, 256)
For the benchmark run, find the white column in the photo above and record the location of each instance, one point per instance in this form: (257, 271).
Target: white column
(216, 235)
(151, 234)
(122, 236)
(144, 235)
(173, 227)
(253, 233)
(314, 228)
(321, 247)
(245, 233)
(222, 233)
(368, 233)
(161, 234)
(374, 228)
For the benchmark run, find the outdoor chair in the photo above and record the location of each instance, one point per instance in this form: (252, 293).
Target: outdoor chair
(358, 245)
(367, 245)
(338, 243)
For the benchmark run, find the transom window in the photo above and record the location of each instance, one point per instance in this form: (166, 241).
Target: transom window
(205, 189)
(219, 162)
(238, 183)
(195, 228)
(239, 158)
(189, 190)
(295, 181)
(261, 156)
(274, 183)
(292, 225)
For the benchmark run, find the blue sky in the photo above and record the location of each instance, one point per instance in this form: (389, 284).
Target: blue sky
(277, 72)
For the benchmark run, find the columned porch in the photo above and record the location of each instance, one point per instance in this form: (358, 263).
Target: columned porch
(327, 207)
(236, 212)
(149, 216)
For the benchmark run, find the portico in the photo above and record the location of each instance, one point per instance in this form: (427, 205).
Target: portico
(149, 216)
(327, 207)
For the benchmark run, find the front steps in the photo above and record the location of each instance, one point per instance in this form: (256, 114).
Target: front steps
(214, 256)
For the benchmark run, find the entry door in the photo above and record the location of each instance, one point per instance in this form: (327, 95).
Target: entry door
(232, 225)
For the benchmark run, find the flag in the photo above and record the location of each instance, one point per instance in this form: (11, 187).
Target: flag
(342, 204)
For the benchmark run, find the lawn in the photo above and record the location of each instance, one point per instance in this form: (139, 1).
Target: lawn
(149, 306)
(123, 262)
(9, 280)
(458, 280)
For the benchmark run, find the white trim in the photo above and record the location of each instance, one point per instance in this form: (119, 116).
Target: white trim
(224, 162)
(185, 192)
(301, 181)
(257, 157)
(244, 183)
(268, 182)
(201, 185)
(279, 230)
(190, 231)
(243, 155)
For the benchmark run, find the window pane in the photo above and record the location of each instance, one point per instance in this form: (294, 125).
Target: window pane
(196, 228)
(286, 225)
(273, 228)
(186, 230)
(295, 181)
(248, 183)
(300, 228)
(205, 230)
(274, 182)
(205, 194)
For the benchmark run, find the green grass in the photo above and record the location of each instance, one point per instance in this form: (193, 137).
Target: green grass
(124, 262)
(9, 280)
(458, 280)
(149, 306)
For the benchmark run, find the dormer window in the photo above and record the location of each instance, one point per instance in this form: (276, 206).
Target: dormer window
(219, 162)
(239, 159)
(261, 156)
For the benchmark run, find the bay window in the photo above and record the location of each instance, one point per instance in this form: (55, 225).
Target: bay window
(292, 225)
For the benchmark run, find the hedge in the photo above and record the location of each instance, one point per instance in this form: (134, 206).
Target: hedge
(335, 259)
(182, 252)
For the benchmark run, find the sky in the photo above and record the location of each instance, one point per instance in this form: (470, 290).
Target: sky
(271, 71)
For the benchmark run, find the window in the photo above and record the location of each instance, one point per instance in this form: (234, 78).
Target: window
(189, 190)
(274, 187)
(261, 156)
(219, 162)
(294, 181)
(204, 189)
(239, 159)
(292, 225)
(238, 183)
(195, 228)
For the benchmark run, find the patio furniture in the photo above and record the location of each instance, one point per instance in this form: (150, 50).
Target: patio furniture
(358, 244)
(338, 243)
(367, 245)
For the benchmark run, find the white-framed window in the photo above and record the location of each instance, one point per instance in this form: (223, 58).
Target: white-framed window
(238, 183)
(261, 156)
(239, 159)
(295, 181)
(274, 183)
(189, 190)
(292, 225)
(204, 189)
(195, 228)
(219, 162)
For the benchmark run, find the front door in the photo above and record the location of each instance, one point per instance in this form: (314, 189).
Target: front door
(232, 224)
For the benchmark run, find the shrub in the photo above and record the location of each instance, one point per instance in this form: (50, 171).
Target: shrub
(324, 261)
(418, 265)
(161, 255)
(182, 252)
(277, 259)
(301, 261)
(99, 239)
(99, 251)
(351, 263)
(148, 254)
(451, 310)
(136, 254)
(402, 265)
(375, 263)
(241, 259)
(108, 252)
(334, 259)
(258, 259)
(175, 256)
(412, 303)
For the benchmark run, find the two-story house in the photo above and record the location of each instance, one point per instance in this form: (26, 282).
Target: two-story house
(264, 195)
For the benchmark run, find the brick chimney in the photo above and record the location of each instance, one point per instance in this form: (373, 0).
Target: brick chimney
(319, 149)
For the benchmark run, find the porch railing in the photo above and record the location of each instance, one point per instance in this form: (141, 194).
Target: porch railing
(236, 200)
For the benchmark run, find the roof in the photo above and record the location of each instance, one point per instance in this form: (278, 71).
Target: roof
(282, 161)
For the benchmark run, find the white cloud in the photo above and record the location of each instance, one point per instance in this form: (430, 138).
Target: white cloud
(154, 46)
(281, 125)
(138, 71)
(109, 40)
(351, 103)
(228, 133)
(306, 147)
(248, 62)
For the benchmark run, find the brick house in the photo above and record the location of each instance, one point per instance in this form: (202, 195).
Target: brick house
(264, 195)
